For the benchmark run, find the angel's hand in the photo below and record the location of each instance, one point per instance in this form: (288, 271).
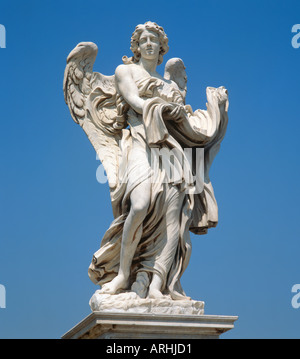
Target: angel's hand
(122, 105)
(175, 112)
(122, 108)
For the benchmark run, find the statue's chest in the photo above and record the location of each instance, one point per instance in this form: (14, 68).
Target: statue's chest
(154, 87)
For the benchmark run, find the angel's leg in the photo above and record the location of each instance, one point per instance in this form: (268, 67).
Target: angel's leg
(167, 255)
(132, 232)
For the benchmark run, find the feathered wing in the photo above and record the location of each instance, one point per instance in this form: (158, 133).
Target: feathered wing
(203, 129)
(77, 78)
(175, 71)
(91, 98)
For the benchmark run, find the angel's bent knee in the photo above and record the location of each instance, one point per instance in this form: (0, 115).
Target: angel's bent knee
(139, 208)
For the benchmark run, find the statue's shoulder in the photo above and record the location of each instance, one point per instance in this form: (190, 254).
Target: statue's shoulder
(123, 70)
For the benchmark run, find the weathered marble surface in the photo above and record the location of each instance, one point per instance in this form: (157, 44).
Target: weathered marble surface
(130, 302)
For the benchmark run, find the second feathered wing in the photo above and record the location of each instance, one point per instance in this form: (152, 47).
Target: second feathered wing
(203, 129)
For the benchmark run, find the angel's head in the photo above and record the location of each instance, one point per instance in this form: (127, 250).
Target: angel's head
(159, 36)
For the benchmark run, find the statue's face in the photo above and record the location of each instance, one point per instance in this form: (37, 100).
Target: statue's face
(149, 45)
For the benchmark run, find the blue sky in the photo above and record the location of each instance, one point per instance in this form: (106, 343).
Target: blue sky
(54, 212)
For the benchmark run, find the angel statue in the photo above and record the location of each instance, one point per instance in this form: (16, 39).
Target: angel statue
(131, 118)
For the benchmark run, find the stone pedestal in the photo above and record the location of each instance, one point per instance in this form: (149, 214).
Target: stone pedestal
(109, 325)
(127, 316)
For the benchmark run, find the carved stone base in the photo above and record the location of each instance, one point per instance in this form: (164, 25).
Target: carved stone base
(104, 325)
(130, 302)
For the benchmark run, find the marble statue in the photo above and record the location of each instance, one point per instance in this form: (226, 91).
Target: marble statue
(135, 119)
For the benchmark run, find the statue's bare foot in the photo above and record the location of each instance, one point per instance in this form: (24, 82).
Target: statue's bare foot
(119, 282)
(155, 287)
(154, 293)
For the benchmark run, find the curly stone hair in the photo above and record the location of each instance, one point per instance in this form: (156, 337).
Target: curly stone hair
(151, 26)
